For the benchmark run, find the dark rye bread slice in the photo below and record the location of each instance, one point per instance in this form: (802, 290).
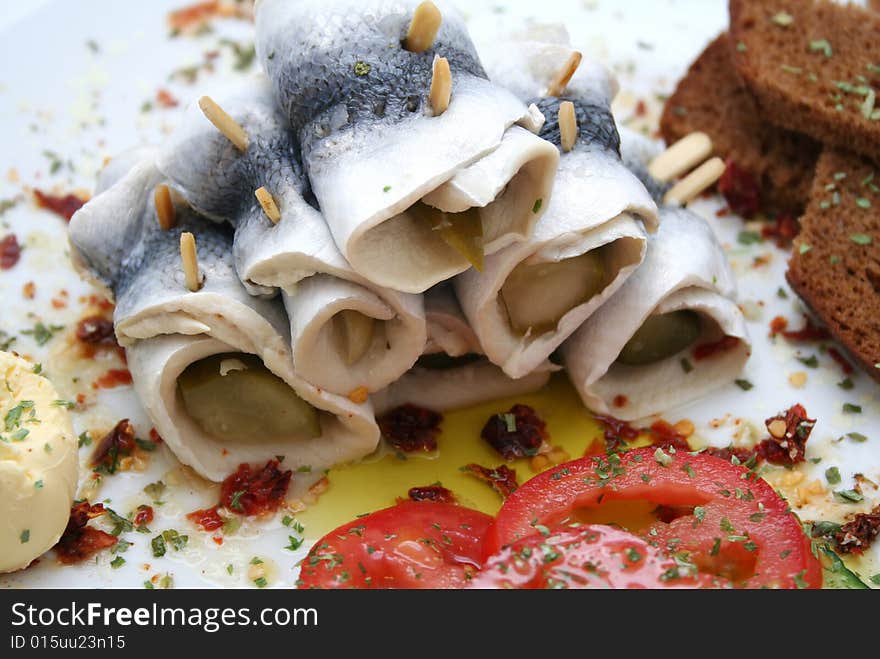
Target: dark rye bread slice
(712, 98)
(813, 67)
(835, 265)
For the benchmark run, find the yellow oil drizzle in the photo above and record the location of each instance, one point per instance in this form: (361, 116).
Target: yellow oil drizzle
(377, 481)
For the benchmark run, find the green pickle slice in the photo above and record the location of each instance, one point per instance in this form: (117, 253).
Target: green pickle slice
(463, 231)
(537, 296)
(248, 405)
(661, 336)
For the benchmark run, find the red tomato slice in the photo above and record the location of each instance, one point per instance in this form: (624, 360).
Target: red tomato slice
(410, 545)
(592, 556)
(702, 509)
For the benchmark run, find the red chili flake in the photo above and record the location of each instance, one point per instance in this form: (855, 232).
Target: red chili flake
(435, 493)
(79, 542)
(96, 330)
(155, 436)
(740, 190)
(664, 435)
(166, 99)
(620, 401)
(778, 325)
(782, 231)
(10, 251)
(845, 366)
(255, 490)
(641, 108)
(411, 428)
(857, 535)
(65, 205)
(144, 515)
(207, 519)
(29, 290)
(706, 350)
(98, 301)
(502, 479)
(809, 332)
(724, 211)
(616, 431)
(517, 433)
(193, 15)
(116, 444)
(791, 447)
(115, 377)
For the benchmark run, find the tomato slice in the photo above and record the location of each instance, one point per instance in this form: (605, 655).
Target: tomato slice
(410, 545)
(699, 508)
(591, 556)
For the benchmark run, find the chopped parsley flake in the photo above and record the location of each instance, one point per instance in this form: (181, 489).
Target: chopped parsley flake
(849, 496)
(25, 536)
(857, 436)
(832, 475)
(42, 333)
(537, 206)
(783, 19)
(850, 408)
(745, 385)
(822, 46)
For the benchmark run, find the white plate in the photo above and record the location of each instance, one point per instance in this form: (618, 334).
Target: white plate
(76, 77)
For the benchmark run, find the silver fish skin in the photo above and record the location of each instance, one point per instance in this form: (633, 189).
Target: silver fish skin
(341, 62)
(215, 177)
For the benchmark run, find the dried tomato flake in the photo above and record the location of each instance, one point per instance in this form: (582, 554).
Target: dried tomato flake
(809, 332)
(517, 433)
(616, 431)
(857, 535)
(166, 99)
(10, 251)
(254, 491)
(706, 350)
(207, 519)
(502, 479)
(79, 542)
(740, 190)
(778, 325)
(144, 515)
(664, 435)
(96, 330)
(435, 493)
(728, 453)
(114, 377)
(789, 433)
(65, 205)
(782, 231)
(411, 428)
(116, 444)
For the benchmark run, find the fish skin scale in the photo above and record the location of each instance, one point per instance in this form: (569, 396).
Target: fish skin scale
(596, 125)
(219, 180)
(158, 272)
(316, 82)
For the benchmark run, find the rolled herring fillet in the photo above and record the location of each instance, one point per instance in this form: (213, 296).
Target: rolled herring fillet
(380, 162)
(533, 295)
(670, 335)
(346, 332)
(212, 367)
(453, 373)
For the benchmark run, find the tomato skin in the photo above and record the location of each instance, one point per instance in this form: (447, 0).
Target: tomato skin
(410, 545)
(768, 546)
(590, 556)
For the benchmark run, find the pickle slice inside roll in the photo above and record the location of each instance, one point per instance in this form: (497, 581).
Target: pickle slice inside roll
(537, 296)
(661, 336)
(234, 397)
